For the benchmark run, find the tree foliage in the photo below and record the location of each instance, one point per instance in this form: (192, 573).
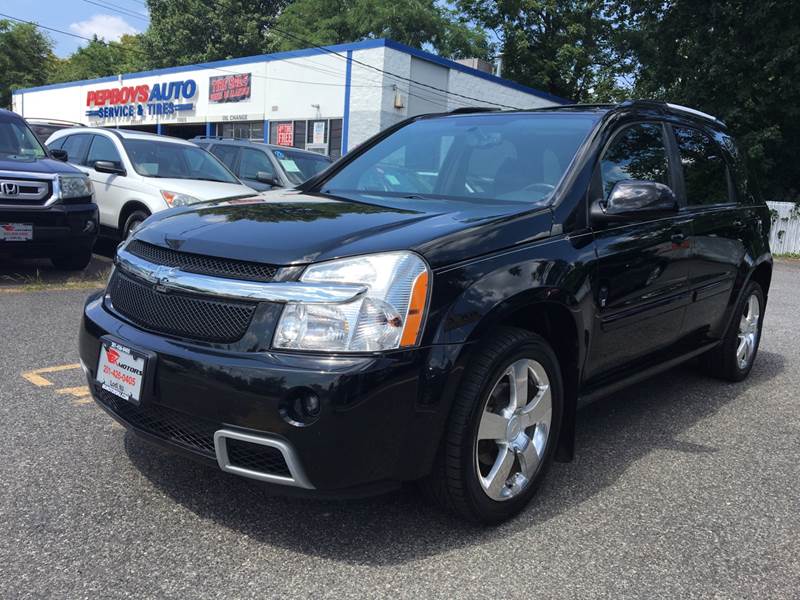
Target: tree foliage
(99, 59)
(194, 31)
(736, 59)
(25, 58)
(565, 47)
(416, 23)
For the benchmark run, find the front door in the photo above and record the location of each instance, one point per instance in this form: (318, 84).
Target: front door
(641, 282)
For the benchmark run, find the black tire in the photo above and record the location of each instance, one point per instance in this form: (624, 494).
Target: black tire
(73, 259)
(454, 482)
(133, 221)
(722, 362)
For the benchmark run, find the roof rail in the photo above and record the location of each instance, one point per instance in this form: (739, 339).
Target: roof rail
(668, 106)
(693, 111)
(463, 110)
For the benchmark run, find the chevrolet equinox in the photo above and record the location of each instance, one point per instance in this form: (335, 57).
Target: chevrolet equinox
(437, 304)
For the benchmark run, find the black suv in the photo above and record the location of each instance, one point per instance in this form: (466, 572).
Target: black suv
(437, 305)
(47, 207)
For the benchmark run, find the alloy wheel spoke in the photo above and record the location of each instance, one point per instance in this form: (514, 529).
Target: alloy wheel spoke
(492, 427)
(528, 459)
(519, 385)
(498, 476)
(539, 410)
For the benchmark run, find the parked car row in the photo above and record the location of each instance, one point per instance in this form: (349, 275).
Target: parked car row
(125, 176)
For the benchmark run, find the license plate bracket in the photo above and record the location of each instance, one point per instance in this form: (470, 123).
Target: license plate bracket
(125, 371)
(16, 232)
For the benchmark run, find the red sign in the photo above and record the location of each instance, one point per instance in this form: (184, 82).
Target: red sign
(229, 88)
(286, 134)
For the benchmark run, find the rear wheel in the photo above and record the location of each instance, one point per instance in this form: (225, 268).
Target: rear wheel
(733, 359)
(133, 222)
(73, 259)
(502, 430)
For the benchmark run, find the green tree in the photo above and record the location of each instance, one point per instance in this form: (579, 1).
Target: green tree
(99, 59)
(566, 47)
(416, 23)
(194, 31)
(733, 58)
(25, 58)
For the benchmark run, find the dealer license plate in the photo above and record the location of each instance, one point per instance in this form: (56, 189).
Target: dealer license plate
(120, 370)
(16, 232)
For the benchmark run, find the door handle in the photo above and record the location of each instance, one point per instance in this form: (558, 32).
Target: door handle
(678, 237)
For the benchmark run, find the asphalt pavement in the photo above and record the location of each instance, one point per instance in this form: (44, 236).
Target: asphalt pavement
(683, 487)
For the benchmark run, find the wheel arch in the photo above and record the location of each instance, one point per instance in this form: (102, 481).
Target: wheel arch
(128, 209)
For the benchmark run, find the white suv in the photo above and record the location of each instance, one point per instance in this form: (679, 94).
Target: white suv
(136, 174)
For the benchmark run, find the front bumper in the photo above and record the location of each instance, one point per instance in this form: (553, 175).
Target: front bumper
(58, 228)
(380, 418)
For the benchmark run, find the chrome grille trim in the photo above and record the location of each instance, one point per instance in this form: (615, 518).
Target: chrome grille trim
(172, 279)
(46, 185)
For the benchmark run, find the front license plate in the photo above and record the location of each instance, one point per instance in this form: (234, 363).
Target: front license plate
(16, 232)
(120, 370)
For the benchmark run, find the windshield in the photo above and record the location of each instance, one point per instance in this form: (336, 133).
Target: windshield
(514, 157)
(300, 166)
(17, 142)
(152, 158)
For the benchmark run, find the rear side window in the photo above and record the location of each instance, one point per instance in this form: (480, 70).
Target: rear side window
(56, 144)
(103, 149)
(705, 173)
(76, 147)
(227, 154)
(637, 152)
(254, 161)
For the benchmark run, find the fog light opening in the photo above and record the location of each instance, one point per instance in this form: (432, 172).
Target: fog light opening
(301, 407)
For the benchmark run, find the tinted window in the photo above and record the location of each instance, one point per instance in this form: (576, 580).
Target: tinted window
(704, 172)
(56, 144)
(300, 166)
(638, 152)
(507, 157)
(17, 142)
(76, 147)
(227, 154)
(252, 162)
(103, 149)
(153, 158)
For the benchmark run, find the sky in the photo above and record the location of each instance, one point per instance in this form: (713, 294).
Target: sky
(81, 17)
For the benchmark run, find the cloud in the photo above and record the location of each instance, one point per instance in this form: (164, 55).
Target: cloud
(107, 27)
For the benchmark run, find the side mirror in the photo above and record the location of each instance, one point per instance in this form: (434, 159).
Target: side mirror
(58, 154)
(265, 177)
(106, 166)
(634, 200)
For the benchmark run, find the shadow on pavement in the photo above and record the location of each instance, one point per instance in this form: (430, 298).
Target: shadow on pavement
(402, 526)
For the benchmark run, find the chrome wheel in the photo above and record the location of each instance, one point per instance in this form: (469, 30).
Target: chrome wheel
(749, 331)
(513, 430)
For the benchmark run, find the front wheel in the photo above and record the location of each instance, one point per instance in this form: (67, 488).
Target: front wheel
(502, 431)
(133, 222)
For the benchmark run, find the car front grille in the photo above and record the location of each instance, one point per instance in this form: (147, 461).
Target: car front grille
(205, 265)
(203, 319)
(23, 192)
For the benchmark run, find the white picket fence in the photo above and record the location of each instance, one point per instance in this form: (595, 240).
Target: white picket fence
(784, 237)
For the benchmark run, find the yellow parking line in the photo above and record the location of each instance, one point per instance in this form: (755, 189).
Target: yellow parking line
(79, 392)
(82, 401)
(35, 377)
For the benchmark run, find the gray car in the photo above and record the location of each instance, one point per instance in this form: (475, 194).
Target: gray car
(265, 166)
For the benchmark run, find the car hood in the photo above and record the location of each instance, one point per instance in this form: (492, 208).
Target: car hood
(44, 166)
(289, 227)
(201, 189)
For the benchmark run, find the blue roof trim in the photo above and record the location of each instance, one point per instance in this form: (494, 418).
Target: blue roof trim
(446, 62)
(362, 45)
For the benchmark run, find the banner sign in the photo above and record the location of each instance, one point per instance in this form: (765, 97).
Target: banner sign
(286, 134)
(229, 88)
(319, 132)
(141, 100)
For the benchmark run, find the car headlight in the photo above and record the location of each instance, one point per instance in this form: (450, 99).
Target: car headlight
(388, 316)
(74, 186)
(174, 199)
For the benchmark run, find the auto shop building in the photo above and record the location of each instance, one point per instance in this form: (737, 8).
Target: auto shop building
(322, 99)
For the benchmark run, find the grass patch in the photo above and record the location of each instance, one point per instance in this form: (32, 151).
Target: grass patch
(788, 255)
(34, 282)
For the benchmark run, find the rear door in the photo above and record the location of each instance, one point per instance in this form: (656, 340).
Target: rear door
(720, 229)
(641, 287)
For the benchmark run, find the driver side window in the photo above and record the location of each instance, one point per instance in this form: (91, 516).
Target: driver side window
(637, 152)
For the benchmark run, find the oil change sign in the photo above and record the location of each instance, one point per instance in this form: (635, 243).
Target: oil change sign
(161, 99)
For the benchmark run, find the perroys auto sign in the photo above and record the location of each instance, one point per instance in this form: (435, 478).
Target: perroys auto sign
(141, 100)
